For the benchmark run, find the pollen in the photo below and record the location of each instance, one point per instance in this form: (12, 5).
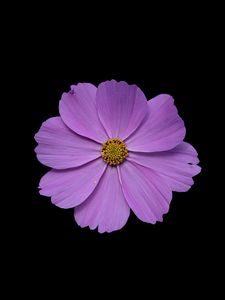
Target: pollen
(114, 151)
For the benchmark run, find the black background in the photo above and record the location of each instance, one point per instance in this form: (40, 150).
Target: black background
(160, 56)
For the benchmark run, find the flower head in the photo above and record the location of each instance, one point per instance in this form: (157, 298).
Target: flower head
(110, 151)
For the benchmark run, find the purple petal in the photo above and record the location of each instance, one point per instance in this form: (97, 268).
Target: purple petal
(146, 192)
(121, 107)
(106, 207)
(162, 129)
(176, 166)
(60, 148)
(78, 111)
(69, 188)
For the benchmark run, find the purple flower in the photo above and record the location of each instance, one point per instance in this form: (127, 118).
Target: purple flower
(111, 151)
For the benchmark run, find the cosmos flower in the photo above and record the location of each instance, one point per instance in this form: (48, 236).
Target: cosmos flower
(112, 151)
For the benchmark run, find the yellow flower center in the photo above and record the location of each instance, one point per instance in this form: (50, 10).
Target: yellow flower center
(114, 151)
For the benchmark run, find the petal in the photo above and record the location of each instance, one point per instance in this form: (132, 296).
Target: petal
(69, 188)
(78, 111)
(162, 129)
(121, 107)
(106, 207)
(176, 166)
(60, 148)
(146, 192)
